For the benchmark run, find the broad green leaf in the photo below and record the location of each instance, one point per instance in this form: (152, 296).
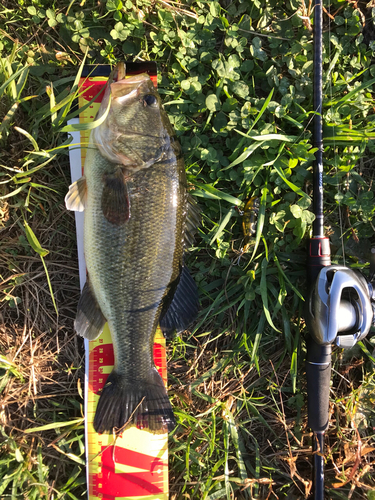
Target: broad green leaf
(296, 211)
(241, 89)
(215, 8)
(256, 49)
(212, 103)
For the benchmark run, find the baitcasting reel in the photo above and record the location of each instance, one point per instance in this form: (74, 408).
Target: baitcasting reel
(340, 307)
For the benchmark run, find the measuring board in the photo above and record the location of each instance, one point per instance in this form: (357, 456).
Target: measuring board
(133, 465)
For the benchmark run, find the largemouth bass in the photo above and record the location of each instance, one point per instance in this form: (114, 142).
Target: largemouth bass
(137, 224)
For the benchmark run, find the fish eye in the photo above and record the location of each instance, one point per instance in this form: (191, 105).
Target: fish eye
(149, 100)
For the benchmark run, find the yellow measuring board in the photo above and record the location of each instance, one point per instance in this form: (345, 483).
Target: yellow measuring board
(134, 464)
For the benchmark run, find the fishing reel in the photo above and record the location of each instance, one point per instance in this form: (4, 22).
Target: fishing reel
(341, 307)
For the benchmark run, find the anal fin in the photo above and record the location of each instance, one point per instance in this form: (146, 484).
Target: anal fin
(89, 322)
(183, 308)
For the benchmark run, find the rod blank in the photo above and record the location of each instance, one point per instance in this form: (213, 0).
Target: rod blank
(318, 228)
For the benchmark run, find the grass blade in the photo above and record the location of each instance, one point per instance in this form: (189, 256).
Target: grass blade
(352, 93)
(55, 425)
(89, 125)
(249, 151)
(269, 137)
(33, 241)
(50, 286)
(292, 186)
(11, 79)
(218, 195)
(258, 117)
(42, 252)
(29, 136)
(13, 193)
(260, 221)
(223, 225)
(264, 294)
(276, 260)
(65, 110)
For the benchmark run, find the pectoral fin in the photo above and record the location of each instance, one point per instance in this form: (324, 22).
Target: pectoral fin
(75, 199)
(115, 198)
(90, 321)
(183, 308)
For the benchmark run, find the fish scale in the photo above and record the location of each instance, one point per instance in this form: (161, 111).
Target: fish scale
(144, 257)
(132, 266)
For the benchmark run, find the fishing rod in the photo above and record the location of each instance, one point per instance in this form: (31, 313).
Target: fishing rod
(339, 305)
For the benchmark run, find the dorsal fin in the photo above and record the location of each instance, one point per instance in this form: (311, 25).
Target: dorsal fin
(193, 220)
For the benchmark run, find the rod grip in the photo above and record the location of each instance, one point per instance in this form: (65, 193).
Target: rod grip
(318, 374)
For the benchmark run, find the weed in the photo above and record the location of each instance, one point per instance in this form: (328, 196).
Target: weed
(236, 80)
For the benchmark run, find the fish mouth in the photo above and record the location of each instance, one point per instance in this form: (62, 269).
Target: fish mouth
(111, 136)
(128, 88)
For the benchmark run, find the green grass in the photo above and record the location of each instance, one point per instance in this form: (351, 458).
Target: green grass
(236, 80)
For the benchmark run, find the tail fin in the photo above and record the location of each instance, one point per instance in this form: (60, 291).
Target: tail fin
(143, 403)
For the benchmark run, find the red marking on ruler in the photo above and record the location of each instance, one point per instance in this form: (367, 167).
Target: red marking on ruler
(93, 87)
(109, 484)
(102, 355)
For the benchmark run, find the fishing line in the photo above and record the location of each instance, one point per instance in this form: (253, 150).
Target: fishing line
(335, 156)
